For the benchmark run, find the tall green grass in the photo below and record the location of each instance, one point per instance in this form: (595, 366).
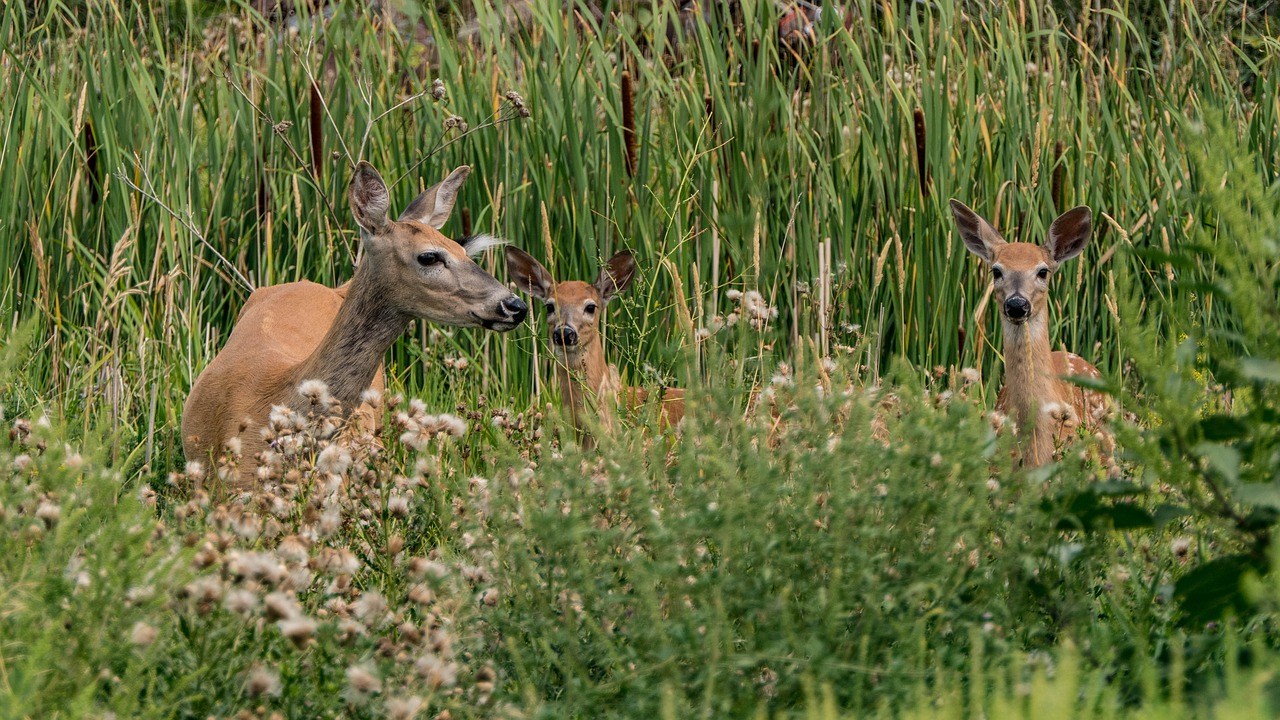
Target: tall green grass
(212, 117)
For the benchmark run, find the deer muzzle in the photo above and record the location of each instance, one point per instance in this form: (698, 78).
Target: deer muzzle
(564, 336)
(511, 312)
(1017, 308)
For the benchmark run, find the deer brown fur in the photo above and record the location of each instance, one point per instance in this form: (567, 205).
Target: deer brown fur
(1047, 409)
(299, 331)
(574, 309)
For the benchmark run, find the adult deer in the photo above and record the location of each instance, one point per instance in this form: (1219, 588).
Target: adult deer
(574, 309)
(299, 331)
(1034, 393)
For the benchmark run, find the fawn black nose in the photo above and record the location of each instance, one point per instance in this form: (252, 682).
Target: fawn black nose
(564, 336)
(515, 308)
(1017, 307)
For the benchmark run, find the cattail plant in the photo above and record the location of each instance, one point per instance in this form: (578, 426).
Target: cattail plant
(1056, 181)
(628, 123)
(91, 163)
(922, 161)
(315, 128)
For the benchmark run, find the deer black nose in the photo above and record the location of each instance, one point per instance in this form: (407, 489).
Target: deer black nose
(1017, 307)
(515, 308)
(564, 336)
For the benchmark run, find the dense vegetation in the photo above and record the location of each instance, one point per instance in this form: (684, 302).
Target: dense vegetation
(859, 543)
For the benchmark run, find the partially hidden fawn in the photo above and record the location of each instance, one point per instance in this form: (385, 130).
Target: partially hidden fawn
(302, 331)
(1047, 409)
(574, 309)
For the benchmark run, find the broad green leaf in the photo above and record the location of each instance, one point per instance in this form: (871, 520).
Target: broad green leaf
(1260, 369)
(1211, 590)
(1222, 427)
(1223, 459)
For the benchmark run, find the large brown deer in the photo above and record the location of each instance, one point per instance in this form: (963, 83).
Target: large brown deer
(574, 309)
(299, 331)
(1046, 408)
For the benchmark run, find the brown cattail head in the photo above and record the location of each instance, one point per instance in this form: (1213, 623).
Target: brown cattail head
(922, 161)
(466, 222)
(628, 123)
(314, 127)
(264, 193)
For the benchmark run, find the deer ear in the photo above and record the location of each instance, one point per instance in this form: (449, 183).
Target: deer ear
(978, 235)
(369, 199)
(435, 204)
(616, 275)
(1069, 234)
(528, 274)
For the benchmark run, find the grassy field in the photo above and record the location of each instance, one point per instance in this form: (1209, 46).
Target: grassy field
(158, 162)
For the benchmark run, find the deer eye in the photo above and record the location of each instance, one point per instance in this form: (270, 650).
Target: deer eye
(997, 273)
(589, 308)
(430, 257)
(1043, 273)
(551, 306)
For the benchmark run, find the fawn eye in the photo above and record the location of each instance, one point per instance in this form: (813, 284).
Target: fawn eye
(590, 308)
(997, 273)
(551, 306)
(430, 257)
(1043, 273)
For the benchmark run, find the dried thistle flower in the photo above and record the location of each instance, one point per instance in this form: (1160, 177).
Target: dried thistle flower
(370, 607)
(49, 512)
(298, 630)
(282, 606)
(334, 460)
(362, 682)
(262, 681)
(142, 634)
(437, 672)
(405, 708)
(240, 601)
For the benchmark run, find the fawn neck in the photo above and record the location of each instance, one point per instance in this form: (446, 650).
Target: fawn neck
(585, 379)
(1029, 381)
(348, 357)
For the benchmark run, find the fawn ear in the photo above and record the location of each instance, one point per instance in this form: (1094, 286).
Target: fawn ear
(1069, 234)
(369, 199)
(435, 204)
(978, 235)
(528, 274)
(616, 275)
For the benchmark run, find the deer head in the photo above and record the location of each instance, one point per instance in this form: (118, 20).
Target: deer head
(574, 308)
(417, 271)
(1020, 271)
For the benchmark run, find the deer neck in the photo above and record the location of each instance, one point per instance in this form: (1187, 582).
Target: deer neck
(585, 379)
(1030, 383)
(351, 352)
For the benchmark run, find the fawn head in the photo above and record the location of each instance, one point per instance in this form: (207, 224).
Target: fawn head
(574, 308)
(421, 273)
(1020, 271)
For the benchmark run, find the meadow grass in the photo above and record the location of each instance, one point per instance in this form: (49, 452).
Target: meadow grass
(214, 121)
(159, 161)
